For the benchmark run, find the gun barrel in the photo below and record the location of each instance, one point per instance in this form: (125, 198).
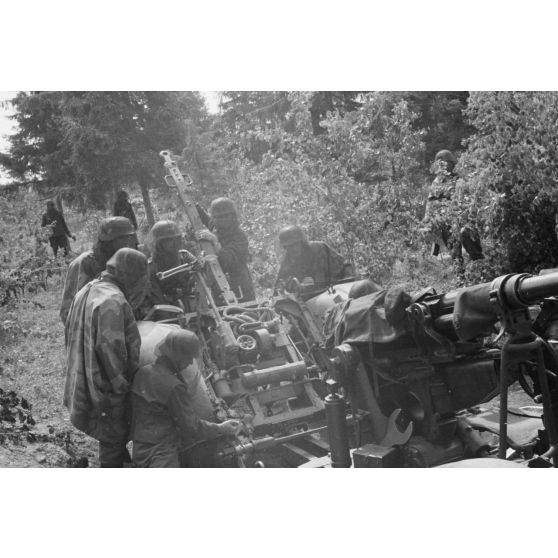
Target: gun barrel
(533, 288)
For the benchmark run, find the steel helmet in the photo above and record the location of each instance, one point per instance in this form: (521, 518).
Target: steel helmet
(221, 207)
(127, 265)
(291, 235)
(114, 227)
(164, 229)
(447, 156)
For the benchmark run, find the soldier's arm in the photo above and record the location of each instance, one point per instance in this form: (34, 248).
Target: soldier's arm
(117, 343)
(204, 216)
(235, 252)
(337, 266)
(79, 273)
(64, 226)
(70, 289)
(44, 221)
(155, 295)
(190, 426)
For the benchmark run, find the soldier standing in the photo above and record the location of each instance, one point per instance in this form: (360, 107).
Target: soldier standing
(163, 416)
(123, 208)
(231, 246)
(444, 218)
(114, 233)
(315, 259)
(60, 232)
(102, 354)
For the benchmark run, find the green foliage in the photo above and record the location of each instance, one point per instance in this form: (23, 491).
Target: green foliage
(358, 186)
(37, 149)
(441, 116)
(96, 142)
(511, 166)
(25, 263)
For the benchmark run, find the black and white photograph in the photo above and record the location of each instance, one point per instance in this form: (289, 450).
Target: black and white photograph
(278, 279)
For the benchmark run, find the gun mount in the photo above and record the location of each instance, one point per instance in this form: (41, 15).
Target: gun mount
(250, 368)
(410, 375)
(420, 368)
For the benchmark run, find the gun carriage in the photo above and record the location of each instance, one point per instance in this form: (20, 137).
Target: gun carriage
(417, 370)
(408, 375)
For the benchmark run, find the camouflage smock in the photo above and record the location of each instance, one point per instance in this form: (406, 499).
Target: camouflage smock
(83, 269)
(102, 355)
(441, 215)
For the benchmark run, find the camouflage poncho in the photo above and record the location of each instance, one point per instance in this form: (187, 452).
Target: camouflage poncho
(102, 347)
(83, 269)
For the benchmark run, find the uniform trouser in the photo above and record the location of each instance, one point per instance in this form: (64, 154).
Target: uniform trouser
(467, 238)
(113, 455)
(155, 455)
(471, 242)
(59, 242)
(115, 428)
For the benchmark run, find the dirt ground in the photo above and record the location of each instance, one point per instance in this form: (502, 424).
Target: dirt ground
(32, 366)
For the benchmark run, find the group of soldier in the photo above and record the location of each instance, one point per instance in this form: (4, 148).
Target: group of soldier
(111, 395)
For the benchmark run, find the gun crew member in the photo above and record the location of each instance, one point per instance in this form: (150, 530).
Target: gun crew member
(114, 233)
(163, 417)
(309, 259)
(102, 354)
(231, 246)
(165, 245)
(123, 208)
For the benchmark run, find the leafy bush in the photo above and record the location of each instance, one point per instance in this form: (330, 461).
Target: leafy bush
(26, 262)
(359, 186)
(511, 166)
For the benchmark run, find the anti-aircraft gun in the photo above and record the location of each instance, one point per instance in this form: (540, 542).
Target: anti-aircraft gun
(251, 368)
(414, 372)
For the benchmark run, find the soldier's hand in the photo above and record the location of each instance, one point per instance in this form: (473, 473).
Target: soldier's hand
(207, 235)
(230, 427)
(73, 237)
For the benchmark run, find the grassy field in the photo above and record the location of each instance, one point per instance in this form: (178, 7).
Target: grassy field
(32, 365)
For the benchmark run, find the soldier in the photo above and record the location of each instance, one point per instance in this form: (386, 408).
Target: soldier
(114, 233)
(123, 208)
(303, 259)
(231, 246)
(60, 232)
(102, 353)
(163, 417)
(165, 244)
(444, 216)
